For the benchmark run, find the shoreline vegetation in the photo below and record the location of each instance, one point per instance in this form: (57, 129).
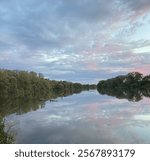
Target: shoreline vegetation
(23, 88)
(132, 86)
(30, 88)
(5, 137)
(23, 84)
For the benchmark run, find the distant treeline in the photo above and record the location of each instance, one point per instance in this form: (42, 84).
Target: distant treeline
(131, 80)
(132, 86)
(23, 84)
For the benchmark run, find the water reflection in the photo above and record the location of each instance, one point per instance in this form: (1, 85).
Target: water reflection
(84, 118)
(21, 106)
(131, 94)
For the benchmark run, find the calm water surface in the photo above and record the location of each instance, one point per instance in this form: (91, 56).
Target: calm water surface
(87, 117)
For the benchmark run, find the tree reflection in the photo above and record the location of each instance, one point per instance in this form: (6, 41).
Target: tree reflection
(132, 86)
(21, 106)
(134, 95)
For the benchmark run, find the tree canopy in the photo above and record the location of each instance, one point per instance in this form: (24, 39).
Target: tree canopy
(132, 86)
(24, 84)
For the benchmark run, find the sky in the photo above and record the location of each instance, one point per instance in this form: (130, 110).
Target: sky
(75, 40)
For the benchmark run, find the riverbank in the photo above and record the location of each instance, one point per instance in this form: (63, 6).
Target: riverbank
(24, 84)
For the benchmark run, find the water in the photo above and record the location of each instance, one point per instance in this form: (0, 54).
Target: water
(87, 117)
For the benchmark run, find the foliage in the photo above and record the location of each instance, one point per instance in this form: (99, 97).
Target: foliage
(22, 87)
(5, 138)
(23, 84)
(132, 86)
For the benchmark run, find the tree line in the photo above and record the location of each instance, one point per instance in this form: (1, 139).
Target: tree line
(132, 86)
(24, 84)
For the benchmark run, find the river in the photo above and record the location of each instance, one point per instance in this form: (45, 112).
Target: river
(83, 118)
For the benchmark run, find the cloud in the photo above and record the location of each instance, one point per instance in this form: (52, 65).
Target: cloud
(145, 49)
(137, 4)
(80, 10)
(137, 8)
(51, 24)
(72, 38)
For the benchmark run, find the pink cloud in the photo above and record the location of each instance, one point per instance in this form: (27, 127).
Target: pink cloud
(110, 48)
(144, 69)
(91, 66)
(140, 13)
